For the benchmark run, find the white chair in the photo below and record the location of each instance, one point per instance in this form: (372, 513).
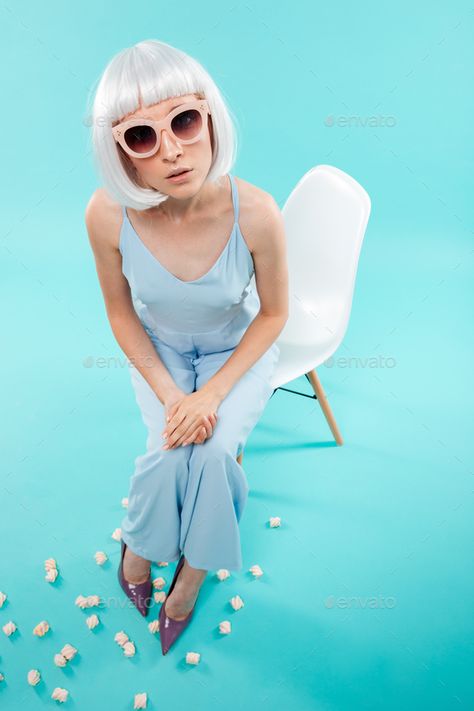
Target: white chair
(325, 219)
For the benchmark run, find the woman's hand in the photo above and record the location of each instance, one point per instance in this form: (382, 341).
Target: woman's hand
(190, 418)
(171, 402)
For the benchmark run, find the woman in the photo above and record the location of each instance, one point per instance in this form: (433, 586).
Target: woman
(175, 270)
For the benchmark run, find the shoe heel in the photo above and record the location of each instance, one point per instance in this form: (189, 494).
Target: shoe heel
(138, 593)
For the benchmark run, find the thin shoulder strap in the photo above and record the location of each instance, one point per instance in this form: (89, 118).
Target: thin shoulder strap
(235, 197)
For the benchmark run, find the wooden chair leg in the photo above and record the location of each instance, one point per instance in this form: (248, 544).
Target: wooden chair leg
(323, 401)
(240, 457)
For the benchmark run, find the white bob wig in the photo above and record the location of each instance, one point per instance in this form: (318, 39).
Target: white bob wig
(149, 72)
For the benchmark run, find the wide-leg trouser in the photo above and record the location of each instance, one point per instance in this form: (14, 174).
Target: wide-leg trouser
(191, 499)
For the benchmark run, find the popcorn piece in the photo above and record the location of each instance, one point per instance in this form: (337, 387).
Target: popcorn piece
(3, 597)
(59, 694)
(51, 575)
(154, 626)
(89, 601)
(117, 534)
(68, 652)
(121, 638)
(92, 621)
(2, 678)
(237, 602)
(59, 660)
(100, 557)
(125, 502)
(225, 627)
(50, 564)
(160, 596)
(129, 649)
(275, 521)
(81, 601)
(162, 564)
(256, 571)
(222, 574)
(158, 583)
(93, 600)
(140, 701)
(41, 628)
(9, 628)
(33, 677)
(192, 658)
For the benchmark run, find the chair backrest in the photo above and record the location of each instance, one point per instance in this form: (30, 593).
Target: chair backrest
(325, 218)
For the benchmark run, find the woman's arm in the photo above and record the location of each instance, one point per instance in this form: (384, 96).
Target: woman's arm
(271, 276)
(103, 221)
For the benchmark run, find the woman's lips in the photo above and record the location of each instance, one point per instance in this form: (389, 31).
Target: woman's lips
(180, 178)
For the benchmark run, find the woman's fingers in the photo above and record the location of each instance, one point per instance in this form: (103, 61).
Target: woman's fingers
(188, 436)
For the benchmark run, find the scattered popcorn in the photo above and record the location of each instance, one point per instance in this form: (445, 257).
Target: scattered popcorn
(33, 677)
(158, 583)
(192, 658)
(162, 564)
(92, 621)
(59, 660)
(222, 574)
(160, 596)
(51, 575)
(121, 638)
(256, 571)
(117, 534)
(50, 564)
(3, 597)
(9, 628)
(125, 502)
(237, 602)
(100, 557)
(68, 651)
(59, 694)
(225, 627)
(140, 701)
(274, 521)
(41, 628)
(154, 626)
(129, 649)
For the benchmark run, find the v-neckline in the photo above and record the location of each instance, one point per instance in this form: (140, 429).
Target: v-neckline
(167, 271)
(219, 258)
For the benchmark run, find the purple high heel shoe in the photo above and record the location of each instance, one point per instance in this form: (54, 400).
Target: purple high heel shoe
(139, 593)
(171, 629)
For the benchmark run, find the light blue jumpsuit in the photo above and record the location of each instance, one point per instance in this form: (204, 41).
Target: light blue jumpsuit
(190, 499)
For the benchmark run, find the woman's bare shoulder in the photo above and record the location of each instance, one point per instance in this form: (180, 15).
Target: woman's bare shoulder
(103, 218)
(258, 212)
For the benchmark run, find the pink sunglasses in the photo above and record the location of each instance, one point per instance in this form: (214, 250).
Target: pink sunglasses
(141, 138)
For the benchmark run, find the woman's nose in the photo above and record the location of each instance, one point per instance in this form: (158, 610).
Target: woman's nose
(169, 145)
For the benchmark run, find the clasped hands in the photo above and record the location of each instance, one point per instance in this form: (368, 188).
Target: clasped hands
(190, 418)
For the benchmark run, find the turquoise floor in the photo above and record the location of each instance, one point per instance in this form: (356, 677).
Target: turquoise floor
(366, 599)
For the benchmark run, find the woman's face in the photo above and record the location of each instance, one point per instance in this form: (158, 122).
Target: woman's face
(152, 172)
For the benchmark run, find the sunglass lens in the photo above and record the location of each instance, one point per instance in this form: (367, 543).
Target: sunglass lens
(140, 139)
(187, 124)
